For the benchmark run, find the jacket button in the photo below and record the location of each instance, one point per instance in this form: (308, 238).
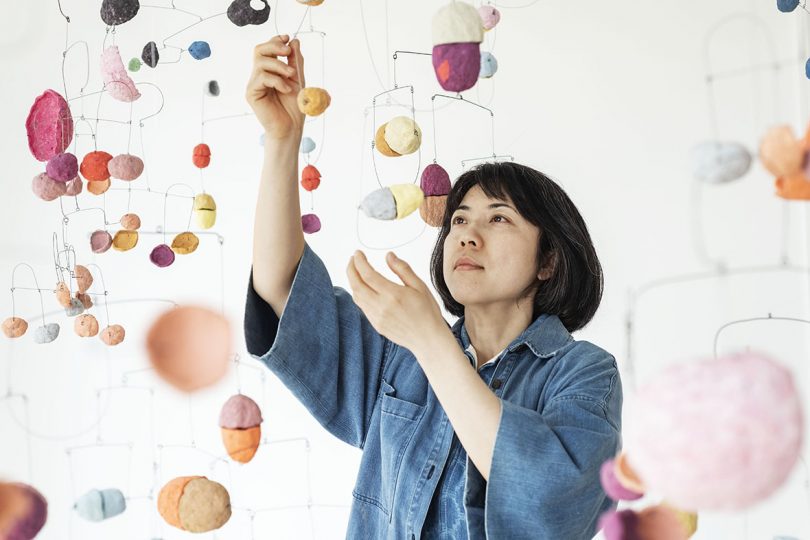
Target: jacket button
(430, 472)
(497, 383)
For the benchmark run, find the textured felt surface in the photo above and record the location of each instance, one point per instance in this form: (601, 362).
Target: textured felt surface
(62, 293)
(115, 12)
(117, 81)
(94, 167)
(408, 198)
(162, 256)
(241, 444)
(47, 188)
(185, 243)
(240, 412)
(310, 223)
(199, 50)
(241, 13)
(381, 144)
(432, 210)
(75, 308)
(125, 167)
(74, 187)
(99, 188)
(435, 180)
(14, 327)
(780, 152)
(205, 210)
(100, 241)
(307, 145)
(457, 65)
(131, 222)
(380, 204)
(83, 276)
(113, 334)
(46, 333)
(150, 54)
(49, 125)
(201, 156)
(169, 498)
(98, 505)
(62, 167)
(85, 325)
(716, 162)
(205, 506)
(403, 135)
(125, 239)
(457, 22)
(310, 178)
(490, 16)
(489, 65)
(313, 101)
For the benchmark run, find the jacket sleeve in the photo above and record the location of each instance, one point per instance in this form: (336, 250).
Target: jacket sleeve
(544, 476)
(323, 349)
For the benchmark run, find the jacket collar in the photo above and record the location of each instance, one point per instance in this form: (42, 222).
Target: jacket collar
(545, 336)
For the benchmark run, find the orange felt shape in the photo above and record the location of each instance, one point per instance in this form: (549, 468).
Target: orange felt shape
(169, 499)
(97, 188)
(94, 166)
(202, 156)
(242, 444)
(310, 178)
(793, 187)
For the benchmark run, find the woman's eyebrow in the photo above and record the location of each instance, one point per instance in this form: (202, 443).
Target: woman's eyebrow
(493, 205)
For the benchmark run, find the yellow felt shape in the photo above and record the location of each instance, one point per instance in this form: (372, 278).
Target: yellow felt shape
(205, 211)
(403, 135)
(408, 198)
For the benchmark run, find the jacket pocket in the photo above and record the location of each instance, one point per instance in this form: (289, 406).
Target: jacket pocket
(398, 420)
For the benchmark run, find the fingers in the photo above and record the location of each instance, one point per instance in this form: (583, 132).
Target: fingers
(264, 80)
(370, 276)
(359, 288)
(277, 46)
(275, 66)
(296, 60)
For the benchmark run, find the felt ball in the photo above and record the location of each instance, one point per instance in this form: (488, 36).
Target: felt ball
(241, 444)
(94, 166)
(62, 293)
(408, 198)
(240, 420)
(84, 279)
(310, 223)
(125, 167)
(489, 65)
(688, 520)
(185, 243)
(716, 162)
(14, 506)
(46, 333)
(381, 144)
(199, 50)
(150, 54)
(625, 474)
(115, 12)
(457, 65)
(85, 325)
(99, 188)
(794, 187)
(457, 22)
(653, 523)
(162, 256)
(134, 65)
(435, 180)
(786, 6)
(241, 13)
(807, 68)
(432, 210)
(117, 82)
(190, 347)
(614, 489)
(74, 187)
(75, 308)
(490, 16)
(14, 327)
(100, 241)
(313, 101)
(212, 88)
(310, 178)
(113, 335)
(380, 204)
(124, 240)
(205, 210)
(98, 505)
(85, 299)
(62, 167)
(780, 151)
(130, 222)
(46, 188)
(201, 156)
(49, 125)
(311, 2)
(403, 135)
(719, 434)
(307, 145)
(27, 525)
(194, 504)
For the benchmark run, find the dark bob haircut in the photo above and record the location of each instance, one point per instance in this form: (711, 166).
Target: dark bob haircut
(574, 289)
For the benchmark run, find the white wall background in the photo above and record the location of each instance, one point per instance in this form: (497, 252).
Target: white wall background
(606, 97)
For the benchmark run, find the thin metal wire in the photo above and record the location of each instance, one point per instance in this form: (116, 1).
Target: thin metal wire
(736, 322)
(416, 132)
(460, 98)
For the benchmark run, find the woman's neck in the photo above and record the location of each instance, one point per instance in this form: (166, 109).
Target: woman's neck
(492, 328)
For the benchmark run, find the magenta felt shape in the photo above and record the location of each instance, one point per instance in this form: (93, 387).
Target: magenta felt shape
(28, 527)
(614, 489)
(46, 188)
(100, 241)
(162, 256)
(49, 126)
(619, 525)
(435, 181)
(125, 167)
(117, 82)
(457, 65)
(310, 223)
(240, 412)
(63, 167)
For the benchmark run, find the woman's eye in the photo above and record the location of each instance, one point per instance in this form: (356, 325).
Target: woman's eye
(455, 218)
(503, 218)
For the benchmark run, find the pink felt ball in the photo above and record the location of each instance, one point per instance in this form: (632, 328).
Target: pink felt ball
(457, 65)
(435, 181)
(49, 126)
(100, 241)
(610, 483)
(162, 256)
(74, 187)
(240, 412)
(46, 188)
(716, 434)
(310, 223)
(490, 16)
(125, 167)
(63, 167)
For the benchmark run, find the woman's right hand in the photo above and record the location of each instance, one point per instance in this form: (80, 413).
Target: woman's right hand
(272, 90)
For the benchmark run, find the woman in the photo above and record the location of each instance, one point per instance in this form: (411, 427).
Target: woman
(495, 427)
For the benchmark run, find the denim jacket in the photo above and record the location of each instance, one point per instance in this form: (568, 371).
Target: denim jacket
(560, 417)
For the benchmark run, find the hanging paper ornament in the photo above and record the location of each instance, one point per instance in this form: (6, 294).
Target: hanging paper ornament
(130, 222)
(780, 151)
(201, 156)
(62, 293)
(393, 202)
(62, 167)
(381, 144)
(134, 65)
(190, 347)
(46, 188)
(403, 135)
(46, 333)
(716, 434)
(435, 184)
(185, 243)
(75, 308)
(199, 50)
(489, 65)
(31, 515)
(74, 187)
(150, 54)
(794, 187)
(14, 327)
(786, 6)
(100, 241)
(313, 101)
(115, 12)
(85, 325)
(310, 223)
(98, 505)
(716, 162)
(124, 240)
(94, 167)
(307, 145)
(212, 88)
(113, 335)
(241, 13)
(490, 16)
(205, 210)
(117, 82)
(240, 425)
(194, 504)
(49, 126)
(125, 167)
(162, 256)
(99, 188)
(310, 178)
(457, 32)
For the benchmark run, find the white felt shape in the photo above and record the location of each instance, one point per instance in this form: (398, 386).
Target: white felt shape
(718, 162)
(457, 22)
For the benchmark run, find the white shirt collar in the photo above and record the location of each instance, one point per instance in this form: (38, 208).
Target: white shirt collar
(474, 360)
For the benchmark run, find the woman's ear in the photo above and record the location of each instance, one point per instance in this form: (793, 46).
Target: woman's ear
(548, 267)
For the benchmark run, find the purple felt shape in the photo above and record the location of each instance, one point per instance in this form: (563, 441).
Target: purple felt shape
(310, 223)
(457, 65)
(100, 241)
(28, 527)
(614, 489)
(240, 412)
(435, 181)
(62, 167)
(162, 256)
(619, 525)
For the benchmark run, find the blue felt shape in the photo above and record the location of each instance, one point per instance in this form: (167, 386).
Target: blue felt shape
(199, 50)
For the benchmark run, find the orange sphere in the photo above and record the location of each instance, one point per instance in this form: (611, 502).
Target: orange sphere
(202, 156)
(94, 166)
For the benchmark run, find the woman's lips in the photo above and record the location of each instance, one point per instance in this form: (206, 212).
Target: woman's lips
(468, 267)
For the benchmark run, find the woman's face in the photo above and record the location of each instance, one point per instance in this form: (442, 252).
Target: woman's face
(500, 242)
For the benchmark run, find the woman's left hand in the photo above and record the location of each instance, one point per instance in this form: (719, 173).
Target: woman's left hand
(406, 314)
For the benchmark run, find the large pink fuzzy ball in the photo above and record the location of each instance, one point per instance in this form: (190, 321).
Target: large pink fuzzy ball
(716, 434)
